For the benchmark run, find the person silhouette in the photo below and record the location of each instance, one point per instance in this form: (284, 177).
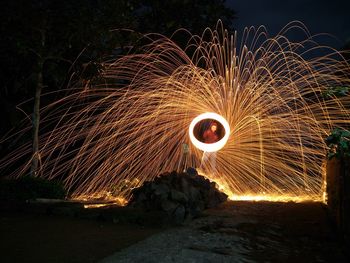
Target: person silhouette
(209, 158)
(210, 135)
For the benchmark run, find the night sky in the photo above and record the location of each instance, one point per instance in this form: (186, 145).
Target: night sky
(320, 16)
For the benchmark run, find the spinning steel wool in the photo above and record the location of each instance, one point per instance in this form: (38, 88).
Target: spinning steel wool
(108, 138)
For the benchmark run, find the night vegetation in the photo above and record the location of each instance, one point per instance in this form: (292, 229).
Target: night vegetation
(27, 187)
(48, 44)
(339, 144)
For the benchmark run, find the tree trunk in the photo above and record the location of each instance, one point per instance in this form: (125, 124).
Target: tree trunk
(36, 122)
(338, 190)
(334, 189)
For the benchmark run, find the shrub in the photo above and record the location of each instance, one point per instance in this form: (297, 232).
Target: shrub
(339, 144)
(338, 91)
(28, 187)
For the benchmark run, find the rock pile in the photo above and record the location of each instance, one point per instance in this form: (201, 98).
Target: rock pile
(180, 195)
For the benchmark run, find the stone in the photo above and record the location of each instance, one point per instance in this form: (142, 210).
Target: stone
(191, 171)
(178, 195)
(161, 190)
(168, 206)
(179, 214)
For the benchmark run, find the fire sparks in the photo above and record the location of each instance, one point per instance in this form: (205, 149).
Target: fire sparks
(113, 136)
(212, 147)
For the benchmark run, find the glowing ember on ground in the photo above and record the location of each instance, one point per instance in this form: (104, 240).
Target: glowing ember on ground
(101, 200)
(276, 198)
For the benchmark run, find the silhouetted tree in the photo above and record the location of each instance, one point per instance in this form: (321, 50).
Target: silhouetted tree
(195, 15)
(42, 40)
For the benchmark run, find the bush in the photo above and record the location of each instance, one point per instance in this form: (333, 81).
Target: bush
(28, 187)
(339, 144)
(338, 91)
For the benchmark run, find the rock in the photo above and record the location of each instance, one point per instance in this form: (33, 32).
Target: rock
(179, 214)
(179, 195)
(184, 186)
(191, 171)
(141, 197)
(161, 190)
(194, 194)
(169, 206)
(216, 197)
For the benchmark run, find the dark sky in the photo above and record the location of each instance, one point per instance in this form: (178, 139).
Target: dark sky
(320, 16)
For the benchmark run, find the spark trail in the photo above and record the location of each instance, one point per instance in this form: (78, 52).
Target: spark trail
(107, 138)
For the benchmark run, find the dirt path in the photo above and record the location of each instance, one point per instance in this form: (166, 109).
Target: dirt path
(244, 232)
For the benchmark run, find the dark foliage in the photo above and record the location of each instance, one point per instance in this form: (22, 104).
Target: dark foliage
(339, 91)
(27, 187)
(66, 41)
(339, 144)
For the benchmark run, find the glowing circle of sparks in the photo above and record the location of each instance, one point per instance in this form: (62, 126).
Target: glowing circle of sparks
(209, 147)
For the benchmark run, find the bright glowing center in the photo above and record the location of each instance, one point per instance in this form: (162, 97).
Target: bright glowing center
(209, 147)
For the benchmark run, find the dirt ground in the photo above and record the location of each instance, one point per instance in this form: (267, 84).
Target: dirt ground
(244, 232)
(43, 238)
(233, 232)
(281, 232)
